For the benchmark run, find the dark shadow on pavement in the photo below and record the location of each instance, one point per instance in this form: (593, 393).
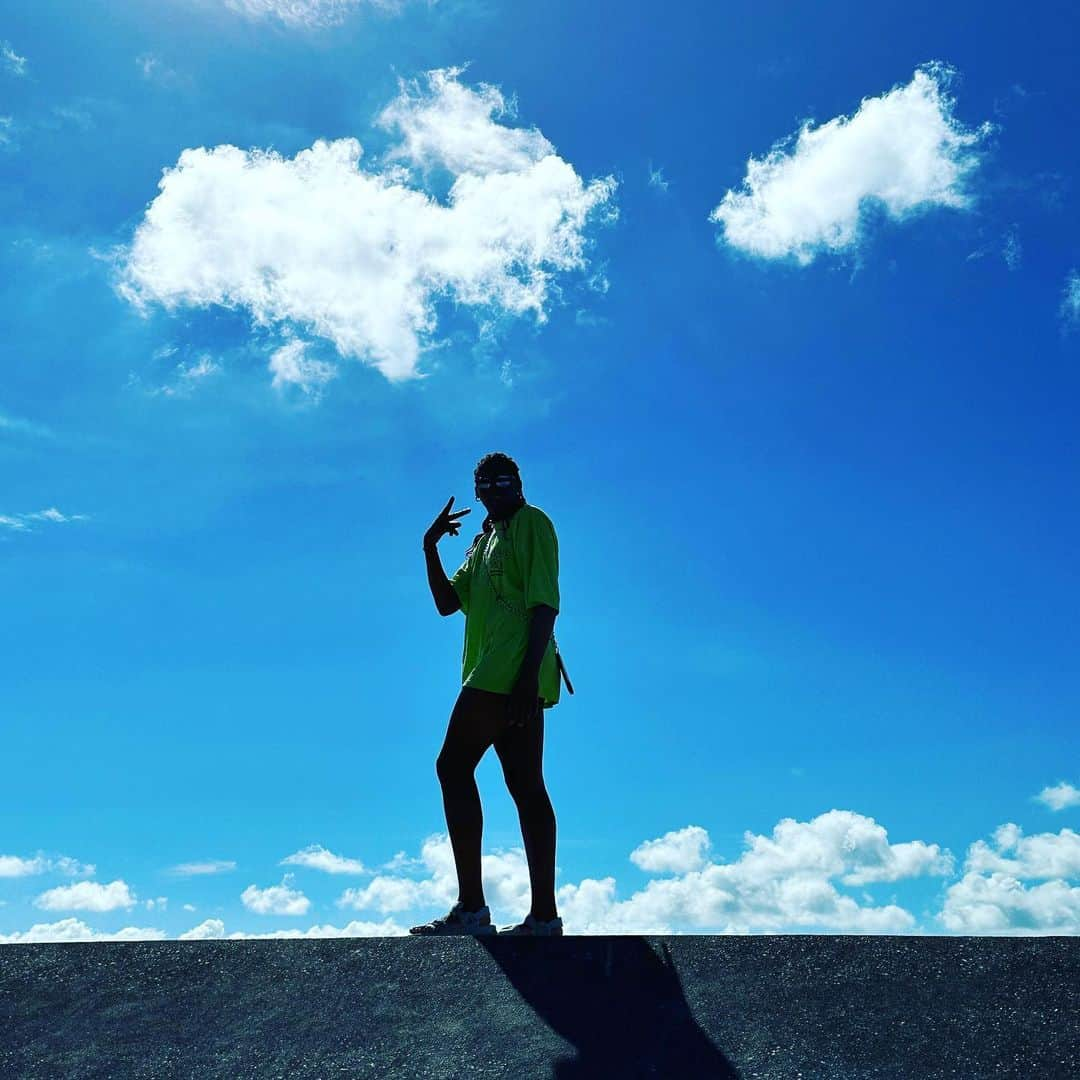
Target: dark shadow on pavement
(616, 1000)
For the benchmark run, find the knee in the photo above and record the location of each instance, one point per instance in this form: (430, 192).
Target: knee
(452, 770)
(528, 792)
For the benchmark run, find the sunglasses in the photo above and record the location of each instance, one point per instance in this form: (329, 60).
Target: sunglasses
(500, 483)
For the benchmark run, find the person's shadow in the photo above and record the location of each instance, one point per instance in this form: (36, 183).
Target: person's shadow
(616, 1000)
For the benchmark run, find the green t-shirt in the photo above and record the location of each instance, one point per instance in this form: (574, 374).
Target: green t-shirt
(518, 561)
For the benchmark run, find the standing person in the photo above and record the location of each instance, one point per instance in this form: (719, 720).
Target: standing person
(508, 588)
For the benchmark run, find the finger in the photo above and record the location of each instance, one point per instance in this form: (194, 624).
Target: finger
(448, 505)
(458, 513)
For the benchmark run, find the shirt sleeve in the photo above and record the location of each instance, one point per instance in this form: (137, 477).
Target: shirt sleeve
(537, 548)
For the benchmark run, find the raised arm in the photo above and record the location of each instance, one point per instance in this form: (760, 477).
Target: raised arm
(444, 594)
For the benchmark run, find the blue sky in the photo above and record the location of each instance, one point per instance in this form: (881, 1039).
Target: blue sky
(779, 314)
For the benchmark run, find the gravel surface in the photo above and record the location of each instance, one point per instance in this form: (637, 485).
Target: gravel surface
(782, 1007)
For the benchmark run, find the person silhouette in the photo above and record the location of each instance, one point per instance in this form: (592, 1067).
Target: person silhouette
(508, 589)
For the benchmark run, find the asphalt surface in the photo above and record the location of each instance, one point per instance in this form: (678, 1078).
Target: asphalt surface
(778, 1007)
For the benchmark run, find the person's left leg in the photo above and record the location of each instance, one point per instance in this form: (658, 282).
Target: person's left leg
(476, 717)
(521, 753)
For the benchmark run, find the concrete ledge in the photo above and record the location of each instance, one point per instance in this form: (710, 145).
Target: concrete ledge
(689, 1006)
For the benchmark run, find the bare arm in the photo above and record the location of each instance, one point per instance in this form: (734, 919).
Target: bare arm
(445, 595)
(541, 624)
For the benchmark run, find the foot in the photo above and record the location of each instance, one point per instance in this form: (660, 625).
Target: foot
(458, 921)
(533, 927)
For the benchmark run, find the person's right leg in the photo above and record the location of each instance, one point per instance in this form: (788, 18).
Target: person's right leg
(521, 751)
(476, 719)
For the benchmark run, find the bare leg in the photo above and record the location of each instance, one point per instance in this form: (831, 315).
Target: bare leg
(521, 752)
(474, 722)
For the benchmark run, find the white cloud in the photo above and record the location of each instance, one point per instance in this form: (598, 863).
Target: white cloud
(316, 857)
(54, 515)
(199, 370)
(903, 151)
(190, 907)
(155, 70)
(25, 427)
(11, 60)
(12, 866)
(782, 881)
(87, 896)
(307, 13)
(387, 928)
(401, 861)
(1012, 250)
(75, 930)
(291, 367)
(18, 522)
(276, 900)
(211, 866)
(998, 903)
(388, 894)
(1044, 855)
(161, 902)
(1070, 301)
(1060, 796)
(210, 928)
(444, 123)
(505, 875)
(675, 852)
(992, 897)
(656, 178)
(362, 258)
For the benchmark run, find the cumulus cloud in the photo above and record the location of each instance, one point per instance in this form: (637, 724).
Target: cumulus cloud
(675, 852)
(1060, 796)
(1070, 301)
(362, 257)
(13, 866)
(505, 875)
(276, 900)
(10, 60)
(316, 857)
(903, 152)
(307, 13)
(992, 897)
(787, 880)
(75, 930)
(1044, 855)
(211, 866)
(999, 903)
(87, 896)
(355, 928)
(205, 931)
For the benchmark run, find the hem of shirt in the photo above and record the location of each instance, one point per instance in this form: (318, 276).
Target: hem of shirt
(548, 704)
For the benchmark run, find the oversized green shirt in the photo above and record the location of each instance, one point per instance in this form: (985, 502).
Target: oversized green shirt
(508, 571)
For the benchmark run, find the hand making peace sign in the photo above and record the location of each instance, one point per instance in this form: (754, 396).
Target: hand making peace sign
(446, 522)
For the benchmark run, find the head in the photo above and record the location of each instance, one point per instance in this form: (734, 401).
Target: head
(498, 485)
